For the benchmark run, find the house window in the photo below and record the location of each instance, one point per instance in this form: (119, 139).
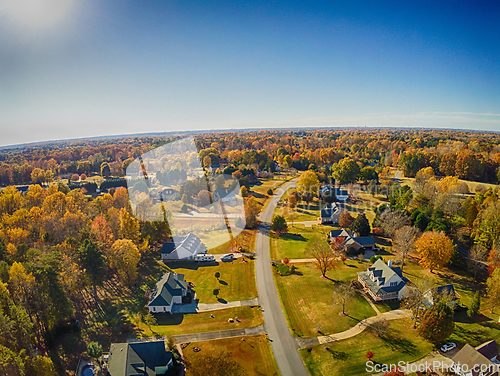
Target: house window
(394, 283)
(154, 309)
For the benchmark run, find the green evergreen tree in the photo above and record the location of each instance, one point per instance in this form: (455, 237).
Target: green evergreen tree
(474, 305)
(360, 225)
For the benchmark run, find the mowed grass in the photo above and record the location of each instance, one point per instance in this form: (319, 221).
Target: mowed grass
(348, 357)
(308, 304)
(177, 323)
(236, 281)
(254, 354)
(301, 213)
(295, 243)
(245, 239)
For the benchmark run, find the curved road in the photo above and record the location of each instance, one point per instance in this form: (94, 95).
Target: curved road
(283, 343)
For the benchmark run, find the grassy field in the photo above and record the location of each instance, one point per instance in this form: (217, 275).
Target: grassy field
(308, 305)
(236, 282)
(348, 357)
(177, 323)
(253, 354)
(301, 213)
(294, 244)
(245, 239)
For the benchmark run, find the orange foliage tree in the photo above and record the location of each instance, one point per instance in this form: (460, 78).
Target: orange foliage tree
(434, 248)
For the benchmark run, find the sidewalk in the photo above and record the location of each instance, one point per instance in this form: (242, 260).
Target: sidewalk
(355, 330)
(196, 307)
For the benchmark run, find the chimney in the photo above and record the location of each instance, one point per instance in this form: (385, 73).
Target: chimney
(389, 263)
(175, 276)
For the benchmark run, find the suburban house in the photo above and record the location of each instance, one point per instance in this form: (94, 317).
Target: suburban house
(479, 361)
(330, 214)
(139, 358)
(383, 282)
(169, 290)
(182, 248)
(340, 194)
(446, 291)
(353, 241)
(227, 197)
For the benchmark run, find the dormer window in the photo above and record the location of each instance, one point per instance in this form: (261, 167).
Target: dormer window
(394, 283)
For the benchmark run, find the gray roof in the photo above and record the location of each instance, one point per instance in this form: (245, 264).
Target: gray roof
(383, 272)
(190, 242)
(328, 211)
(365, 240)
(469, 356)
(141, 358)
(488, 349)
(166, 288)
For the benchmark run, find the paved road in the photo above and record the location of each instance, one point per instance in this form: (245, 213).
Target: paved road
(283, 343)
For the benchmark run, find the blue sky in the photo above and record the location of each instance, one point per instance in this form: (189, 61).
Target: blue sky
(92, 68)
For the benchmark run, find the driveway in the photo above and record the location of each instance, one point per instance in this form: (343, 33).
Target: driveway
(195, 307)
(284, 346)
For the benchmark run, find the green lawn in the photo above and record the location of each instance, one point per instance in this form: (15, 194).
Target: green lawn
(172, 324)
(294, 244)
(236, 282)
(308, 305)
(301, 212)
(348, 357)
(254, 354)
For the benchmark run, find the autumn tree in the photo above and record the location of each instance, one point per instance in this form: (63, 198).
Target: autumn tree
(308, 185)
(404, 242)
(391, 220)
(342, 294)
(477, 255)
(345, 219)
(324, 257)
(102, 231)
(244, 191)
(105, 170)
(434, 249)
(124, 257)
(252, 210)
(437, 323)
(345, 171)
(493, 289)
(129, 226)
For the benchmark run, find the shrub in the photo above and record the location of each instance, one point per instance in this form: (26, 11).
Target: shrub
(269, 191)
(373, 259)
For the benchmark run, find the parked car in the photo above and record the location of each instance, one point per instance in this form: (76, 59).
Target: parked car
(448, 346)
(227, 257)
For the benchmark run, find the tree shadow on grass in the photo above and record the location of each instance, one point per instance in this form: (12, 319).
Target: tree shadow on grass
(473, 337)
(339, 355)
(223, 301)
(297, 237)
(479, 318)
(222, 282)
(191, 265)
(399, 343)
(256, 194)
(169, 318)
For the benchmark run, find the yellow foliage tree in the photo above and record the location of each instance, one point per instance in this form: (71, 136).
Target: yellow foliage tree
(129, 226)
(434, 248)
(124, 257)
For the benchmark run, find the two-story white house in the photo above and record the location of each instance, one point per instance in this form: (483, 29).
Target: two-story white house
(169, 290)
(383, 282)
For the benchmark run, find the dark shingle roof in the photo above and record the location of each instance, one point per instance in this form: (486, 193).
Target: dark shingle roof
(488, 349)
(166, 288)
(141, 358)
